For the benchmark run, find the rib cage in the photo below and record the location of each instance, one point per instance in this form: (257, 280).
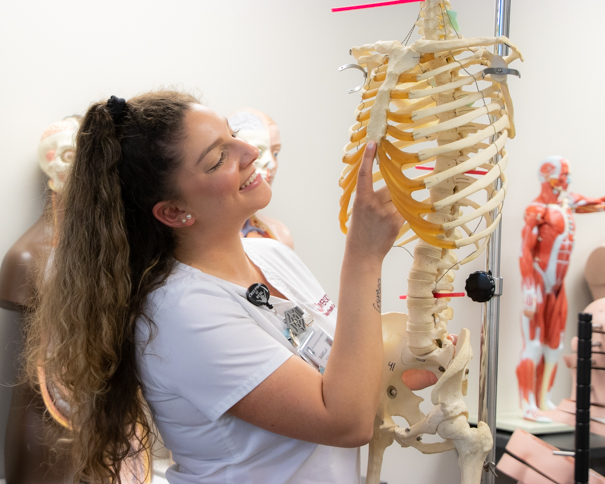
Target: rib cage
(424, 107)
(419, 107)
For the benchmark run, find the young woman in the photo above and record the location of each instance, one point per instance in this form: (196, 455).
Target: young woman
(147, 291)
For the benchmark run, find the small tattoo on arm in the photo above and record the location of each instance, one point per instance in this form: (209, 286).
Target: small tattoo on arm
(378, 304)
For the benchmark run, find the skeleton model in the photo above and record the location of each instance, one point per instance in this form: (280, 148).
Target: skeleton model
(548, 237)
(425, 109)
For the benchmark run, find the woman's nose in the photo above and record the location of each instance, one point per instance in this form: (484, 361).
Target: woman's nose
(249, 155)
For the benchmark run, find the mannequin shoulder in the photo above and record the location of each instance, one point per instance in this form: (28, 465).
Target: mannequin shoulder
(17, 266)
(278, 229)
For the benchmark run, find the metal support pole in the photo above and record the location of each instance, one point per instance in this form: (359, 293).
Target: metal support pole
(491, 312)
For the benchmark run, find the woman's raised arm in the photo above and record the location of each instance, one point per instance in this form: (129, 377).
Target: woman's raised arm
(338, 408)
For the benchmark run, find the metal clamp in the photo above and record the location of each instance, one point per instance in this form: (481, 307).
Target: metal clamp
(498, 286)
(365, 76)
(489, 466)
(499, 69)
(564, 453)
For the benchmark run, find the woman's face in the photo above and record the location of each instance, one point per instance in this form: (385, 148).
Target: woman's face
(218, 183)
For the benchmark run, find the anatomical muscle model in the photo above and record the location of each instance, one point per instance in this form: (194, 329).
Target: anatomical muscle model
(441, 104)
(548, 237)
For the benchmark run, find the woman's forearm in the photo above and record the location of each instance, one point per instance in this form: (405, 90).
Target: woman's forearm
(354, 372)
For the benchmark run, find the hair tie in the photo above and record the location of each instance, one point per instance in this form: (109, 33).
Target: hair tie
(116, 107)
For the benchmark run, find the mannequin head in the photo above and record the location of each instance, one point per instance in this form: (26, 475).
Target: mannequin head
(554, 170)
(594, 273)
(57, 150)
(259, 130)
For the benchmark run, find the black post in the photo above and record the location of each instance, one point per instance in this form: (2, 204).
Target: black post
(582, 459)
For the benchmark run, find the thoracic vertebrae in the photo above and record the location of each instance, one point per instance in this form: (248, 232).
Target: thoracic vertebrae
(431, 105)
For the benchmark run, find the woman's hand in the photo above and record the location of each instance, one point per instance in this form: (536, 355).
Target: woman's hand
(417, 379)
(375, 222)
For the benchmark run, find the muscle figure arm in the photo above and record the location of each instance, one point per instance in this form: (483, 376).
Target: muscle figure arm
(581, 204)
(534, 216)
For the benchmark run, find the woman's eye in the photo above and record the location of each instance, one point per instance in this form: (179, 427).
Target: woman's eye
(220, 162)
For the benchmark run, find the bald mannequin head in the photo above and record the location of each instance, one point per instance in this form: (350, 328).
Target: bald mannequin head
(57, 149)
(259, 130)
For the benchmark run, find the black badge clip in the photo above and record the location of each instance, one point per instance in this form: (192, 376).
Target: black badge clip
(258, 294)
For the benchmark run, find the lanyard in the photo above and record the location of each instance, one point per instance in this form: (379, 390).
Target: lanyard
(296, 319)
(316, 343)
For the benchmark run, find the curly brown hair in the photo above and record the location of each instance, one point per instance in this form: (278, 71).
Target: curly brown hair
(111, 252)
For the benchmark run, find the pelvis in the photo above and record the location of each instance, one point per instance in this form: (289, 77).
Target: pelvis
(447, 417)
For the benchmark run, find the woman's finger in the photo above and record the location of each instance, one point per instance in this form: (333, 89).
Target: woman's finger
(383, 194)
(453, 338)
(365, 184)
(418, 379)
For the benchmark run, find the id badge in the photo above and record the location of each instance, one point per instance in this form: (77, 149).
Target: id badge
(316, 347)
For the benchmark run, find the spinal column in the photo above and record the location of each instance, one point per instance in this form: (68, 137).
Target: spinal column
(441, 104)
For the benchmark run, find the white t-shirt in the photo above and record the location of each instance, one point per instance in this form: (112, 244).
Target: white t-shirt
(211, 348)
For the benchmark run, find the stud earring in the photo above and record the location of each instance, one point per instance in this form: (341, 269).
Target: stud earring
(188, 217)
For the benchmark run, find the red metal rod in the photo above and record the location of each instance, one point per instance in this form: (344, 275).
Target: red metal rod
(470, 172)
(437, 295)
(372, 5)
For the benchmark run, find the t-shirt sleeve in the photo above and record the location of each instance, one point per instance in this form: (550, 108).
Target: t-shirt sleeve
(208, 349)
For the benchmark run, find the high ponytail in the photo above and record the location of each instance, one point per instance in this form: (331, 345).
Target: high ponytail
(111, 252)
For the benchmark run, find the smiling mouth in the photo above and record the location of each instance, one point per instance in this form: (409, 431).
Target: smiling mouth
(249, 180)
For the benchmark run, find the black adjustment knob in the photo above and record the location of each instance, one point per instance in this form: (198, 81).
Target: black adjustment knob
(480, 286)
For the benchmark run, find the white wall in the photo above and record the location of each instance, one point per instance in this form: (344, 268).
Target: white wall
(282, 58)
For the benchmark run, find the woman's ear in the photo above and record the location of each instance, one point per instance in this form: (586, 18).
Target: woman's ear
(172, 216)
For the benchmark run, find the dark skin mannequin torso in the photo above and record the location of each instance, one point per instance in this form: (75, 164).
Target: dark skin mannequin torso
(28, 460)
(15, 287)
